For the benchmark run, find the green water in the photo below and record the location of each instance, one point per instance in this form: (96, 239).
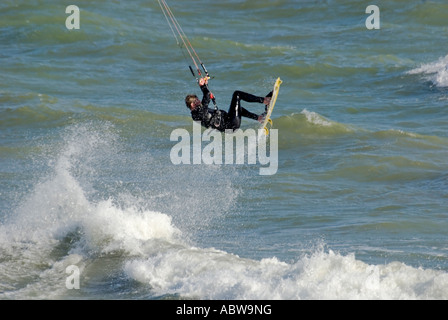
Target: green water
(361, 189)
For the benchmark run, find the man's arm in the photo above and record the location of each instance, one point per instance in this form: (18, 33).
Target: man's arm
(202, 113)
(206, 96)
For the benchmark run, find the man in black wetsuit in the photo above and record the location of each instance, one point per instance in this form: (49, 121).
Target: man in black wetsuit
(219, 119)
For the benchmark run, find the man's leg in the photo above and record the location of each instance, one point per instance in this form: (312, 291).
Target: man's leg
(235, 110)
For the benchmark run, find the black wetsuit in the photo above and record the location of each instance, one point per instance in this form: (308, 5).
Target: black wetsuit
(221, 120)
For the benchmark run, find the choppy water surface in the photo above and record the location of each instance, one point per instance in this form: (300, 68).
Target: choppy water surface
(356, 210)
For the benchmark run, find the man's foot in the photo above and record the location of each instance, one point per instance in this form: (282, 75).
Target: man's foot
(267, 101)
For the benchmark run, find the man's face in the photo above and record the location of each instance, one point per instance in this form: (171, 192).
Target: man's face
(196, 103)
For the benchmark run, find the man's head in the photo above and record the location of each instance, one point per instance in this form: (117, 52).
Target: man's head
(192, 101)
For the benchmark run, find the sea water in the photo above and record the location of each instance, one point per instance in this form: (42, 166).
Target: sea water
(92, 206)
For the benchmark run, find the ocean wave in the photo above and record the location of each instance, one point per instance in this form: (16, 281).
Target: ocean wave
(436, 72)
(310, 122)
(312, 125)
(32, 110)
(214, 274)
(63, 219)
(153, 252)
(58, 224)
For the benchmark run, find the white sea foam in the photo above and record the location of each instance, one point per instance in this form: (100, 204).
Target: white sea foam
(56, 213)
(213, 274)
(315, 118)
(436, 72)
(155, 253)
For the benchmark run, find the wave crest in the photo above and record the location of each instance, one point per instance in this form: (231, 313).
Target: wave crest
(436, 72)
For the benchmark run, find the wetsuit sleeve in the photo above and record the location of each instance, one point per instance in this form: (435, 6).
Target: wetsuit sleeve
(205, 97)
(202, 113)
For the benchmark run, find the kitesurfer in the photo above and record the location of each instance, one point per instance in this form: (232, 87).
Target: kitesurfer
(220, 119)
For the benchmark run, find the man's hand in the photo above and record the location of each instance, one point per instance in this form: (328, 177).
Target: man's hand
(203, 81)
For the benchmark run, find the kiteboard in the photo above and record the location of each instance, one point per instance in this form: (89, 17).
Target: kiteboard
(267, 119)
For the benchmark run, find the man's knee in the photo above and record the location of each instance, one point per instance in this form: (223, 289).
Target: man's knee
(236, 93)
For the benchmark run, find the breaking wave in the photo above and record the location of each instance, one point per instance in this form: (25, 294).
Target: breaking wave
(436, 72)
(118, 242)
